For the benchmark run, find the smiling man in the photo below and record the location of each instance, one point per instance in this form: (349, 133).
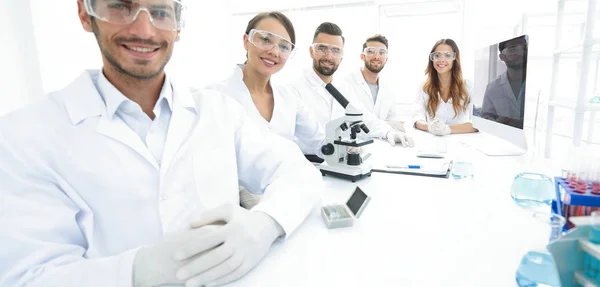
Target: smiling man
(327, 52)
(375, 95)
(113, 181)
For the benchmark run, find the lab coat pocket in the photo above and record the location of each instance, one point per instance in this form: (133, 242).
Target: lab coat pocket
(215, 177)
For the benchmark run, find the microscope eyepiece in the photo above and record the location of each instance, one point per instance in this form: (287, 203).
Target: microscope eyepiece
(344, 126)
(364, 128)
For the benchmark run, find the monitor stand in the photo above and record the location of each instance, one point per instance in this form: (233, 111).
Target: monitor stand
(494, 146)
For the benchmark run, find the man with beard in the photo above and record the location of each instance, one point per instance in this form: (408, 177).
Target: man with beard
(504, 99)
(127, 178)
(365, 82)
(327, 52)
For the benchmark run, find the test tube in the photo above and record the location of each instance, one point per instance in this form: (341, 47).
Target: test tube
(569, 167)
(578, 178)
(575, 162)
(595, 176)
(582, 181)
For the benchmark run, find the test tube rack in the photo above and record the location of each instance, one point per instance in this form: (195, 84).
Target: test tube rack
(570, 202)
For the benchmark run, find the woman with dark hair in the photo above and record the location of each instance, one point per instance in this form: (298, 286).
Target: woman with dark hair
(269, 41)
(443, 105)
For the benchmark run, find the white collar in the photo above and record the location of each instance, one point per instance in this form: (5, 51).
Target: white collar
(82, 99)
(113, 98)
(314, 79)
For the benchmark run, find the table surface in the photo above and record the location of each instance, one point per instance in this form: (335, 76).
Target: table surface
(416, 231)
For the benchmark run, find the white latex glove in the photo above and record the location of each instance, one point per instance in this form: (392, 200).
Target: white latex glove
(397, 125)
(438, 128)
(231, 250)
(248, 199)
(155, 265)
(394, 137)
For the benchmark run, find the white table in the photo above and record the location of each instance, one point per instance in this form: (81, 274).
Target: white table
(416, 231)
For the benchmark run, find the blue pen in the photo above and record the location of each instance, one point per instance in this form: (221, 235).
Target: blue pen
(404, 166)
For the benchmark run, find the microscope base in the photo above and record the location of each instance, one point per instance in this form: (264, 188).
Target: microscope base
(325, 170)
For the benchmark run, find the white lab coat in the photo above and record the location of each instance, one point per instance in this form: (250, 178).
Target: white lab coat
(80, 192)
(500, 100)
(312, 90)
(291, 118)
(445, 111)
(385, 107)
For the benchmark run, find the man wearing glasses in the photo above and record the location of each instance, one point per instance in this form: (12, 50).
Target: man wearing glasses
(365, 82)
(125, 178)
(327, 52)
(504, 99)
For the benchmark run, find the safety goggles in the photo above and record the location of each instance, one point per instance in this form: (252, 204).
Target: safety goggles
(513, 50)
(322, 49)
(266, 41)
(372, 51)
(168, 15)
(437, 56)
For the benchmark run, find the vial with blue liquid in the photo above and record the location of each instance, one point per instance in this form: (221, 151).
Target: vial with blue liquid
(533, 191)
(537, 267)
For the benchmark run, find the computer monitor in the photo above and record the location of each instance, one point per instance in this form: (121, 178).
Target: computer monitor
(499, 91)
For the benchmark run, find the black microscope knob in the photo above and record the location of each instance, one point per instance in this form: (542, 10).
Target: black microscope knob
(327, 149)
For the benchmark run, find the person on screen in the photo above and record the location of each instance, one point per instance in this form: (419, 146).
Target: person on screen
(448, 111)
(504, 98)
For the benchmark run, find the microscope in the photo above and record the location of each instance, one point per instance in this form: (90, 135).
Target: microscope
(340, 138)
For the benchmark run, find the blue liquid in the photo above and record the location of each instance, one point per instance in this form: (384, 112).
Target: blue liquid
(462, 170)
(537, 269)
(531, 190)
(587, 266)
(594, 236)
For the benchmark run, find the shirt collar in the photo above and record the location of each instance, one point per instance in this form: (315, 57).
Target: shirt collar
(504, 78)
(314, 79)
(239, 70)
(360, 78)
(442, 101)
(115, 100)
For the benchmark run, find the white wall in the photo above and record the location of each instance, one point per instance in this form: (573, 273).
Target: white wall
(65, 49)
(211, 43)
(20, 74)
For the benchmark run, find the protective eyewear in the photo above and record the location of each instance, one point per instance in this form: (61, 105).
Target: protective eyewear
(437, 56)
(168, 15)
(372, 51)
(513, 50)
(322, 49)
(266, 41)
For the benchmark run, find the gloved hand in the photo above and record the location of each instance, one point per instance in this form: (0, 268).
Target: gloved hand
(230, 251)
(397, 125)
(394, 137)
(438, 128)
(155, 265)
(248, 199)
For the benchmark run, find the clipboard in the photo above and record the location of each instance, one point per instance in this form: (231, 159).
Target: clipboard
(409, 172)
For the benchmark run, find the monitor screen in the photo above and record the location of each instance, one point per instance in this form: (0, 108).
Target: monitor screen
(500, 80)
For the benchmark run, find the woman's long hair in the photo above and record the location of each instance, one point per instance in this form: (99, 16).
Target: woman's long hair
(458, 91)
